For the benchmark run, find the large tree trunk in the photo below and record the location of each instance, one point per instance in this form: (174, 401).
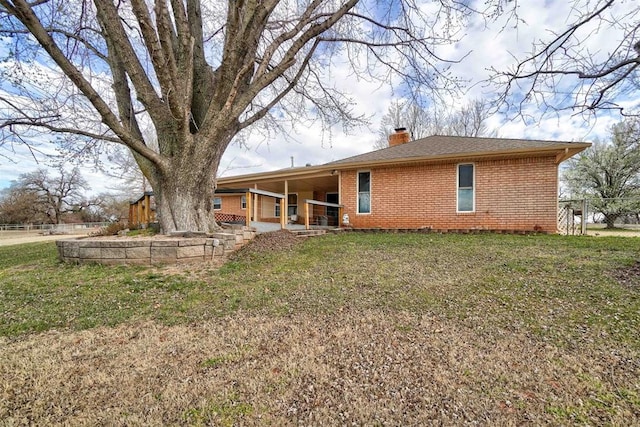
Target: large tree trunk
(184, 200)
(184, 209)
(610, 220)
(184, 191)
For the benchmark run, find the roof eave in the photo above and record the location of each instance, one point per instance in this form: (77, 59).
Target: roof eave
(569, 152)
(561, 152)
(301, 172)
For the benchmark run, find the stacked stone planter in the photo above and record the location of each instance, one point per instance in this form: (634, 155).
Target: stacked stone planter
(157, 250)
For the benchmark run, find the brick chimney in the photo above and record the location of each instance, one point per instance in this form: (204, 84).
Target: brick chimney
(399, 137)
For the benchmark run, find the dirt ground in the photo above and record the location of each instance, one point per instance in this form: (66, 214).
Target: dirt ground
(347, 367)
(605, 233)
(357, 368)
(8, 238)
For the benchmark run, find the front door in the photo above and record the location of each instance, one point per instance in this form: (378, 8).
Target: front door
(332, 213)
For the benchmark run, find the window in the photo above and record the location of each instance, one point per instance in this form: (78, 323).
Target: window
(217, 203)
(466, 199)
(292, 204)
(243, 202)
(277, 209)
(364, 192)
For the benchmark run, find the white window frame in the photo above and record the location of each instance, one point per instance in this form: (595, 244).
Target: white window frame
(277, 208)
(243, 202)
(358, 192)
(458, 188)
(214, 203)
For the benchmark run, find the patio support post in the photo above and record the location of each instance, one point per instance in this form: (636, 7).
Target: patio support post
(248, 208)
(140, 213)
(147, 207)
(306, 216)
(132, 214)
(340, 211)
(255, 204)
(283, 217)
(285, 205)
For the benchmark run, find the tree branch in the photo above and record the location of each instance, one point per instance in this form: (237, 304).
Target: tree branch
(289, 58)
(283, 92)
(26, 15)
(153, 45)
(113, 31)
(559, 58)
(59, 129)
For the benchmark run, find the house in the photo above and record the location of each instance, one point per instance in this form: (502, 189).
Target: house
(438, 182)
(142, 210)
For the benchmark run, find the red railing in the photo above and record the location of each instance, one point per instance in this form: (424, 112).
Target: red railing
(230, 218)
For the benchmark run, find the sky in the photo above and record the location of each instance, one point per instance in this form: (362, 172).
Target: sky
(484, 47)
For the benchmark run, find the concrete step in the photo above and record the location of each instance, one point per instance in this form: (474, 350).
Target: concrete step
(308, 233)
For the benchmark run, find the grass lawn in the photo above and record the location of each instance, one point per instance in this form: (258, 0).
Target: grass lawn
(373, 329)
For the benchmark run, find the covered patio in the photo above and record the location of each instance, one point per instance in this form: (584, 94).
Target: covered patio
(290, 198)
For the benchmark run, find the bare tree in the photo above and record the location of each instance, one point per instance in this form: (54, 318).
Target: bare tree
(20, 207)
(57, 195)
(562, 72)
(113, 208)
(418, 121)
(102, 70)
(131, 182)
(608, 174)
(468, 120)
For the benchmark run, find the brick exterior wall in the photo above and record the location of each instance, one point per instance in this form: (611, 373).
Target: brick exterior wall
(510, 194)
(231, 204)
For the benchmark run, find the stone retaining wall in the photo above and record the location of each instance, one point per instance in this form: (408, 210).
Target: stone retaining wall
(157, 250)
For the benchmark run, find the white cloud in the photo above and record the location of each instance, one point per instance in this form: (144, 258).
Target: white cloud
(488, 48)
(19, 160)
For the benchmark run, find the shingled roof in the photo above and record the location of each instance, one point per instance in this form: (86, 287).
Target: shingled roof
(432, 148)
(437, 146)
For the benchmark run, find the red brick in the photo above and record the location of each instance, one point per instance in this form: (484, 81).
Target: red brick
(511, 194)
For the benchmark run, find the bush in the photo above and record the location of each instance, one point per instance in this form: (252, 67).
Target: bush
(111, 229)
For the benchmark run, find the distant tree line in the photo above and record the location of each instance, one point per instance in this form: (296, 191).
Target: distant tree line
(469, 119)
(42, 197)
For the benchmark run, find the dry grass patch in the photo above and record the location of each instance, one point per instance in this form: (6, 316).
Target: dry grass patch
(351, 329)
(276, 241)
(371, 368)
(629, 276)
